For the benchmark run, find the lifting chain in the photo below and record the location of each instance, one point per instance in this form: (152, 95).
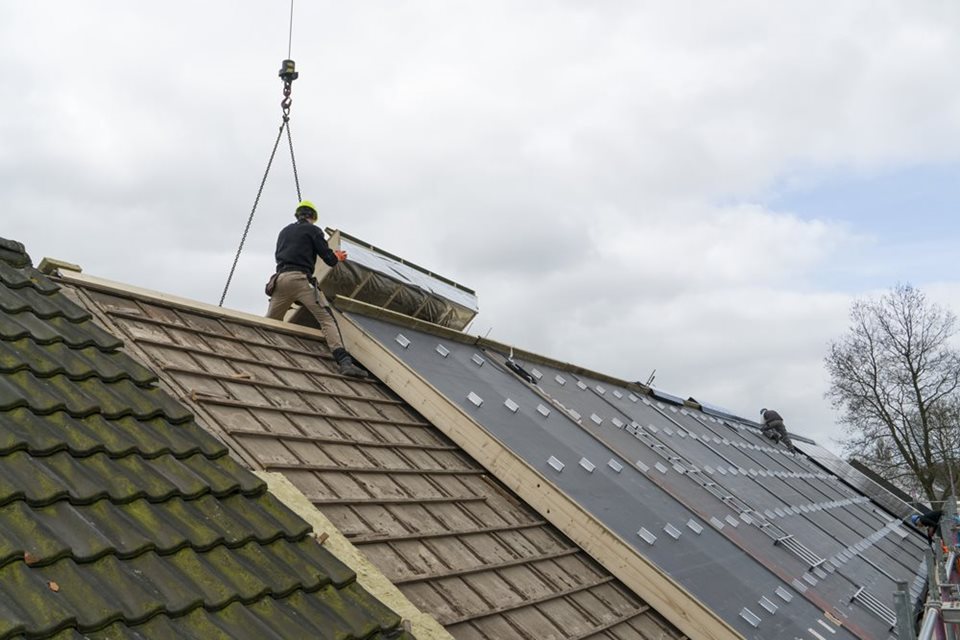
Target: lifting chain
(288, 73)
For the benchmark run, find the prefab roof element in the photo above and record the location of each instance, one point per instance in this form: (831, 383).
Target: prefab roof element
(377, 277)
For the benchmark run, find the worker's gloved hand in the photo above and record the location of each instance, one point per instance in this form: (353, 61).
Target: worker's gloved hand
(341, 255)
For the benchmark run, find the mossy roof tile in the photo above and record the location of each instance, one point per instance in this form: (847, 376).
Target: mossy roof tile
(87, 532)
(76, 364)
(44, 480)
(86, 397)
(42, 305)
(121, 518)
(75, 334)
(42, 435)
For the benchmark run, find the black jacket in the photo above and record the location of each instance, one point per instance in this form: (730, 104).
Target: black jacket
(771, 416)
(298, 247)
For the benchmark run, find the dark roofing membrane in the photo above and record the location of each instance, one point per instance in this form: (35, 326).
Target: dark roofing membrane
(121, 518)
(776, 545)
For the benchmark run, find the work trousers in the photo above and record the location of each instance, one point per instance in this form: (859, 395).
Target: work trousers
(776, 430)
(293, 286)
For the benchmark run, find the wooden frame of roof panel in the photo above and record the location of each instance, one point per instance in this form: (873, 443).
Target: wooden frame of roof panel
(545, 588)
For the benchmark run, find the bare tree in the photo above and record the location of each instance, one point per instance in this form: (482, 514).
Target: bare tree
(895, 379)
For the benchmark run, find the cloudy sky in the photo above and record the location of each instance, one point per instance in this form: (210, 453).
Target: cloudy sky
(699, 188)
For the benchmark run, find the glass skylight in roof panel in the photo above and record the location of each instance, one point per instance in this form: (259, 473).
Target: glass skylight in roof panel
(600, 389)
(617, 422)
(616, 466)
(542, 410)
(647, 537)
(617, 394)
(662, 468)
(511, 405)
(576, 415)
(652, 428)
(640, 465)
(668, 431)
(597, 419)
(633, 398)
(556, 464)
(402, 340)
(587, 465)
(679, 468)
(716, 522)
(733, 522)
(672, 531)
(811, 580)
(784, 594)
(694, 526)
(581, 385)
(560, 379)
(478, 359)
(536, 374)
(442, 350)
(475, 399)
(681, 433)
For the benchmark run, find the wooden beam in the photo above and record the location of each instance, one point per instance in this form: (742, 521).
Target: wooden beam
(639, 574)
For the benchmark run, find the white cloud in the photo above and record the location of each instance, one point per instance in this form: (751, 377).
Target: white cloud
(577, 164)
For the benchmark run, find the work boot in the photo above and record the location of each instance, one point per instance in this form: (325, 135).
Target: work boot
(346, 366)
(349, 368)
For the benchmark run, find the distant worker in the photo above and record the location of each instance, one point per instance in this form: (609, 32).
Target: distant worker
(299, 245)
(930, 521)
(774, 428)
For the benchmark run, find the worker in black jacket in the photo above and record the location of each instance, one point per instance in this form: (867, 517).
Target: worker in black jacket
(298, 247)
(774, 428)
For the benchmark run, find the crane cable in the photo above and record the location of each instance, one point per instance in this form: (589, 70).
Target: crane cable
(288, 74)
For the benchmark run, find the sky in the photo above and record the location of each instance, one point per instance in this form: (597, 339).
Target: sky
(695, 188)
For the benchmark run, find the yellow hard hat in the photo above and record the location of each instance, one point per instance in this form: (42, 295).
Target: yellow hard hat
(306, 204)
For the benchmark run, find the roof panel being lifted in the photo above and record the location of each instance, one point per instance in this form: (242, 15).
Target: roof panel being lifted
(382, 279)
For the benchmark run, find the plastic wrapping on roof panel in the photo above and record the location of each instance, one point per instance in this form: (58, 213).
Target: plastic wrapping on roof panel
(375, 277)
